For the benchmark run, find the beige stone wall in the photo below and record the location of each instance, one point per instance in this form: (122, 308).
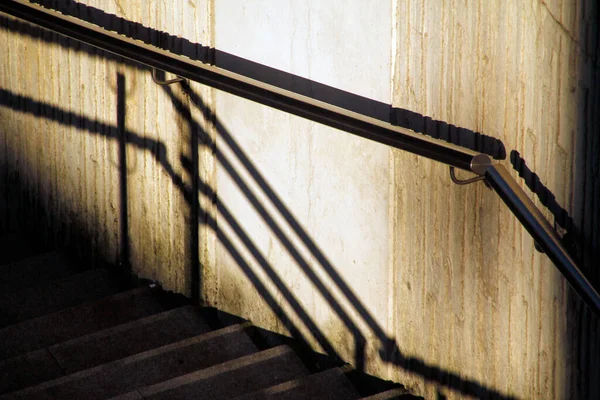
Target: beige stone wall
(68, 163)
(365, 252)
(472, 285)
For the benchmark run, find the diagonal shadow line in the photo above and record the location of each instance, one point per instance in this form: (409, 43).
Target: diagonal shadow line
(376, 109)
(373, 108)
(390, 352)
(271, 223)
(150, 36)
(268, 269)
(194, 280)
(397, 359)
(259, 285)
(289, 218)
(158, 150)
(269, 220)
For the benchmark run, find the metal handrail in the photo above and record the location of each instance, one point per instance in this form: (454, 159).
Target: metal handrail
(454, 156)
(542, 232)
(241, 86)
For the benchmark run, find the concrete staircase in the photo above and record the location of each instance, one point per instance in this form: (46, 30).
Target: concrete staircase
(68, 332)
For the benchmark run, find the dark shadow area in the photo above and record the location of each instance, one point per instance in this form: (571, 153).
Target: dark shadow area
(273, 225)
(194, 218)
(124, 261)
(194, 275)
(586, 196)
(158, 150)
(582, 345)
(390, 350)
(366, 385)
(397, 116)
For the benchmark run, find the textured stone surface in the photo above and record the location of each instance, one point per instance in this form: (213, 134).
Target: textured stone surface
(74, 322)
(253, 372)
(366, 252)
(128, 339)
(26, 370)
(147, 368)
(331, 384)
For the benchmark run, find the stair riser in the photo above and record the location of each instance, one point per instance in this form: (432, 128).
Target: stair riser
(54, 296)
(145, 369)
(235, 382)
(136, 337)
(75, 322)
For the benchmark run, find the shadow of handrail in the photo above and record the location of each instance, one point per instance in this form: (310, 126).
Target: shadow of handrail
(267, 96)
(390, 350)
(376, 109)
(25, 104)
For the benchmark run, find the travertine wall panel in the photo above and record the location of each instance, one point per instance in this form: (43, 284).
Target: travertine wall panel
(365, 252)
(71, 161)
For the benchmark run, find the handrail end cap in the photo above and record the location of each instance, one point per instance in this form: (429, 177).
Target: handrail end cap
(480, 163)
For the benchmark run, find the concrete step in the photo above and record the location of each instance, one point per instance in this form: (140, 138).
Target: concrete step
(73, 322)
(146, 368)
(34, 270)
(330, 384)
(100, 348)
(56, 295)
(392, 395)
(128, 396)
(30, 369)
(14, 247)
(230, 379)
(128, 339)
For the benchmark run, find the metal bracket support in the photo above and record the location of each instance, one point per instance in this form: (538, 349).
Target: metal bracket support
(465, 181)
(162, 82)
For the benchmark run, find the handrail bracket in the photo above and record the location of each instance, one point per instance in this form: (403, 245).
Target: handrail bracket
(164, 82)
(464, 181)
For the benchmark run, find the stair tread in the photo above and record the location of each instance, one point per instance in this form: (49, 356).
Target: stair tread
(392, 394)
(147, 368)
(34, 270)
(26, 370)
(128, 339)
(77, 321)
(330, 384)
(100, 348)
(230, 379)
(56, 295)
(128, 396)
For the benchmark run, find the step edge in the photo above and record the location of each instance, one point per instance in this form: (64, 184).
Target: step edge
(389, 394)
(332, 373)
(113, 297)
(131, 359)
(187, 311)
(205, 373)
